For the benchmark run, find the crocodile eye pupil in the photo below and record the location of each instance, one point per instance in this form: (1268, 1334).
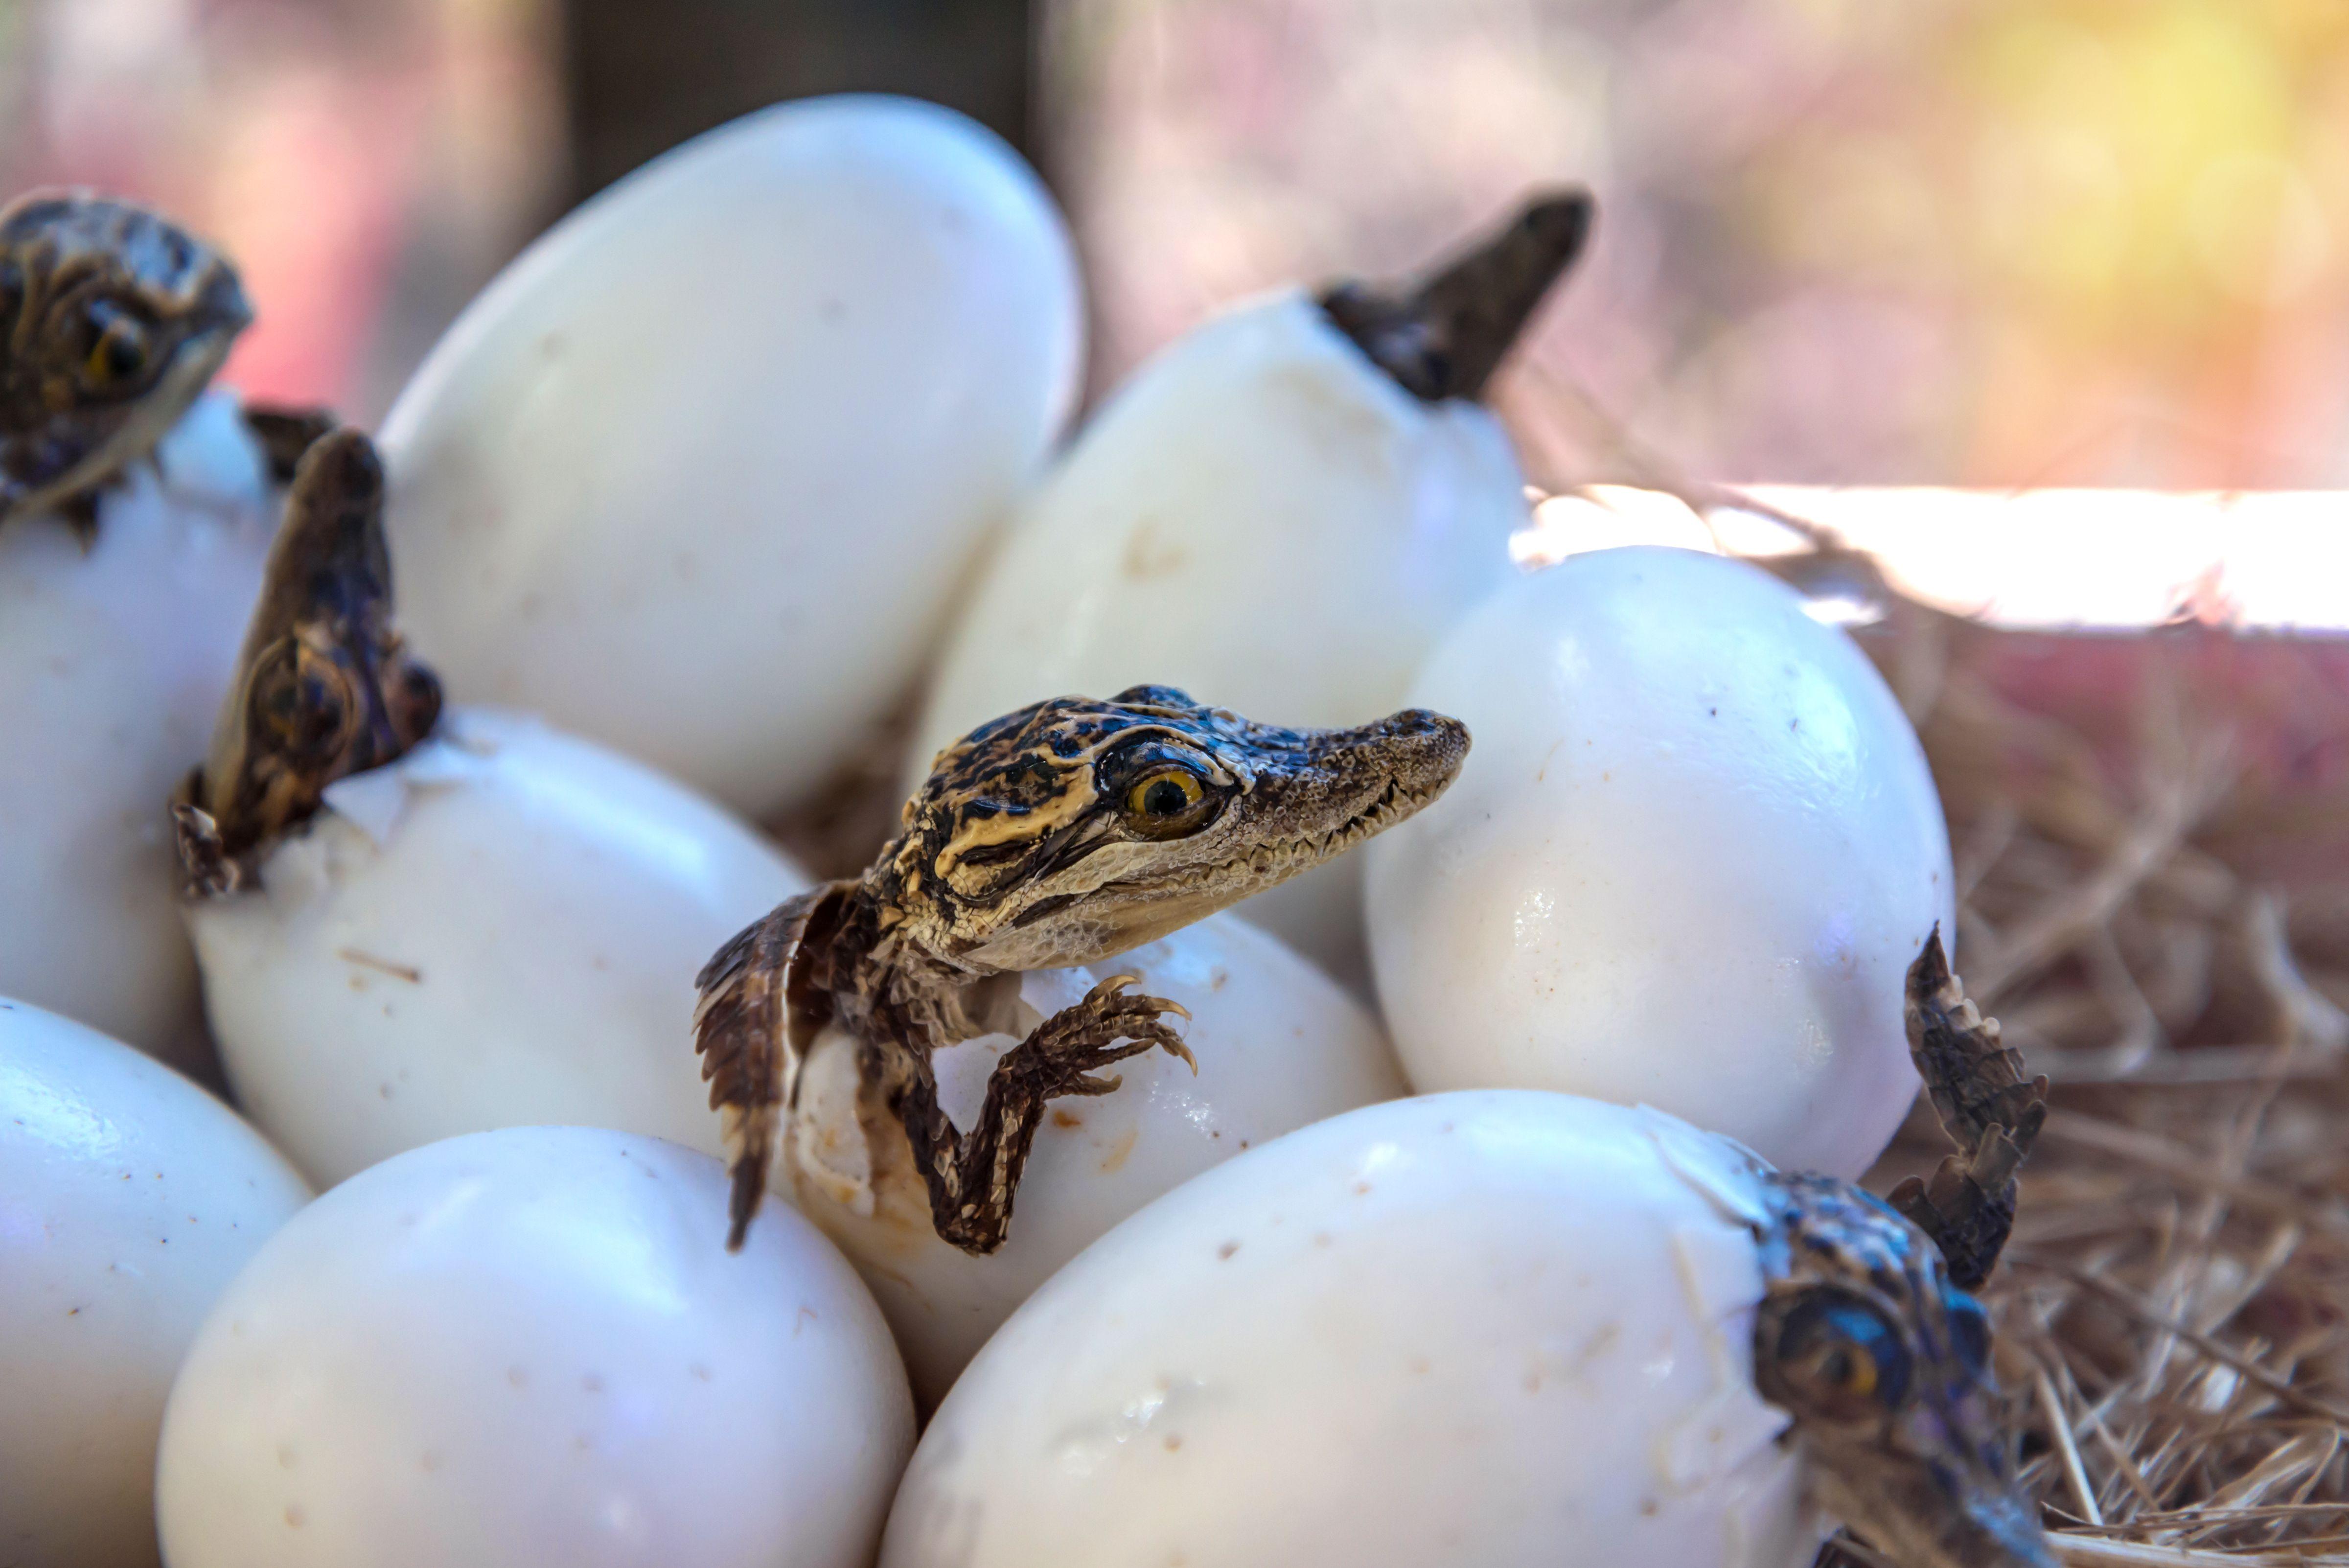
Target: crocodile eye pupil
(1164, 798)
(119, 350)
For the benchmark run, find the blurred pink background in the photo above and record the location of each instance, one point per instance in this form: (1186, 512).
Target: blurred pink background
(368, 164)
(1993, 243)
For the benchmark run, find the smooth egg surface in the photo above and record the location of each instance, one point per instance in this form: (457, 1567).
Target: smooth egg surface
(1278, 1046)
(1490, 1330)
(1263, 518)
(502, 927)
(531, 1349)
(698, 474)
(112, 662)
(1691, 854)
(128, 1199)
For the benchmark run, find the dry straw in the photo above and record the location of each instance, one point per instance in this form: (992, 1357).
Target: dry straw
(2144, 905)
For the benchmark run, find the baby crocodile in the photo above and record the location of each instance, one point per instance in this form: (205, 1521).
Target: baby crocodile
(1061, 835)
(112, 321)
(324, 686)
(1867, 1339)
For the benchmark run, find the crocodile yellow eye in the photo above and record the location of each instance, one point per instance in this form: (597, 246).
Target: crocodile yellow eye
(119, 352)
(1165, 802)
(302, 703)
(1840, 1358)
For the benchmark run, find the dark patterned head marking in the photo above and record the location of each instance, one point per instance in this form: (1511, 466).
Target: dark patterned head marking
(112, 320)
(1074, 828)
(324, 687)
(1885, 1366)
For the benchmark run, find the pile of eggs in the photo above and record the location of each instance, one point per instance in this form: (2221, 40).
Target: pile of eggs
(752, 463)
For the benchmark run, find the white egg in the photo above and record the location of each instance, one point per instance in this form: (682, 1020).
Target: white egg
(530, 1347)
(128, 1199)
(501, 928)
(112, 662)
(1482, 1330)
(1278, 1046)
(698, 474)
(1693, 853)
(1263, 518)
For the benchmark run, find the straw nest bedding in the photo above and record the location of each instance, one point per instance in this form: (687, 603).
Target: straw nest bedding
(2151, 836)
(2152, 843)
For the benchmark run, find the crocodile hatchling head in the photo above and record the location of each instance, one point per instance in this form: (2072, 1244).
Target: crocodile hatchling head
(1884, 1366)
(1074, 829)
(325, 687)
(112, 320)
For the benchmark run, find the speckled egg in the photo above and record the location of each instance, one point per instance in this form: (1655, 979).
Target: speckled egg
(1278, 1046)
(698, 474)
(1689, 860)
(532, 1349)
(1488, 1330)
(128, 1199)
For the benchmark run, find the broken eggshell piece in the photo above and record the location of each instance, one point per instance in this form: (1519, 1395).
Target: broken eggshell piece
(113, 658)
(1476, 1329)
(499, 928)
(1278, 1046)
(697, 475)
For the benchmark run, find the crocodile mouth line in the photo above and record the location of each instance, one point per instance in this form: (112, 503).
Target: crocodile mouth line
(1392, 805)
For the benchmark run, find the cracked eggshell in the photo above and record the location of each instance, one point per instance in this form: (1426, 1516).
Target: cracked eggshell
(1484, 1329)
(128, 1199)
(698, 474)
(1264, 519)
(1278, 1046)
(501, 928)
(1693, 853)
(531, 1349)
(112, 663)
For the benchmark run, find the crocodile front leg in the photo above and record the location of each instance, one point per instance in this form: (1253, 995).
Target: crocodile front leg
(1987, 1105)
(972, 1176)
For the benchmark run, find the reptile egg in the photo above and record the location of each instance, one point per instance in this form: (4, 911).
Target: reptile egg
(1263, 519)
(1278, 1046)
(500, 928)
(112, 661)
(1687, 864)
(1266, 518)
(1482, 1330)
(697, 475)
(128, 1199)
(530, 1347)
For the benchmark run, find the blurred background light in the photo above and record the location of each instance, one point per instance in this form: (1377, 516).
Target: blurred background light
(1984, 242)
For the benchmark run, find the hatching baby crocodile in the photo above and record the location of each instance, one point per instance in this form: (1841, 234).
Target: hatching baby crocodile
(1061, 835)
(112, 321)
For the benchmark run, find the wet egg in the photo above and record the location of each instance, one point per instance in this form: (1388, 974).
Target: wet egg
(531, 1349)
(501, 928)
(697, 475)
(1689, 860)
(1480, 1329)
(113, 658)
(129, 1199)
(1263, 518)
(1278, 1046)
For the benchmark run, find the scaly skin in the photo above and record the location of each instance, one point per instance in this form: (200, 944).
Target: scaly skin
(1444, 336)
(1865, 1336)
(1063, 834)
(112, 320)
(324, 686)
